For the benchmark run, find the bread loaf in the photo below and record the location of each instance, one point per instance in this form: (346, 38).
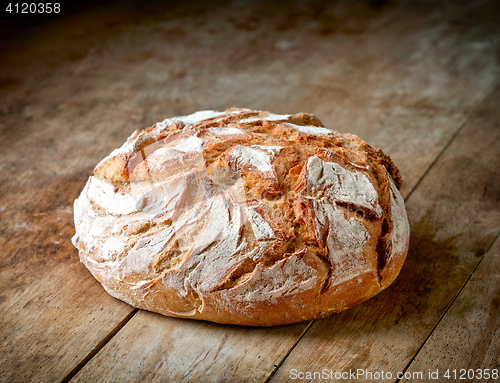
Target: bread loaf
(243, 217)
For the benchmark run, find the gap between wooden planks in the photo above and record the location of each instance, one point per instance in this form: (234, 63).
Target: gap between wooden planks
(451, 226)
(467, 337)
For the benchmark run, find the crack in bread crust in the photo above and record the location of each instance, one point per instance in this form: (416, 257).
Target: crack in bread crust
(214, 215)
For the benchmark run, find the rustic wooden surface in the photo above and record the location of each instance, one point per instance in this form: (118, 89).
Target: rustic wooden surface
(418, 80)
(468, 335)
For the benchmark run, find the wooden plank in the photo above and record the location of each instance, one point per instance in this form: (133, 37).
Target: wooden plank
(454, 215)
(468, 336)
(155, 349)
(115, 360)
(53, 312)
(73, 90)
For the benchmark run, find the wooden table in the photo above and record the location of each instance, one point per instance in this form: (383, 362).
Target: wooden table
(418, 80)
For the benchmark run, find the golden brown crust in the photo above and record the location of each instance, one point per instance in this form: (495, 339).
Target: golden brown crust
(243, 217)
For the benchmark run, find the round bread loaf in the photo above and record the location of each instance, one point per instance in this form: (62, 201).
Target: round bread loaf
(243, 217)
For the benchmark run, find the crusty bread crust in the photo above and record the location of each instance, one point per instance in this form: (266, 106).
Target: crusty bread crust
(243, 217)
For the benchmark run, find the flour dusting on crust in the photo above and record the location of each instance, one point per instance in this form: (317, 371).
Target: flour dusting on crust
(242, 217)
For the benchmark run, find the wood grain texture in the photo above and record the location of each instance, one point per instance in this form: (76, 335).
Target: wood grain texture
(403, 77)
(397, 75)
(468, 337)
(157, 349)
(454, 216)
(54, 314)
